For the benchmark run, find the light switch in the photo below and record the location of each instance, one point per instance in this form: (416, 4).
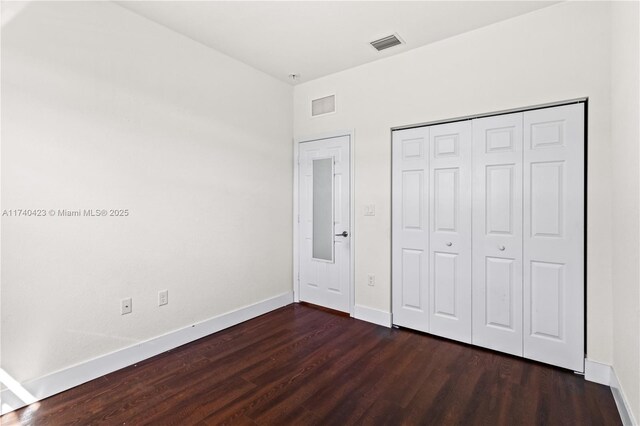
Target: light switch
(370, 210)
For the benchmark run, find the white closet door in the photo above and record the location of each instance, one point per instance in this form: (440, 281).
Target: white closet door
(450, 230)
(410, 228)
(497, 233)
(554, 236)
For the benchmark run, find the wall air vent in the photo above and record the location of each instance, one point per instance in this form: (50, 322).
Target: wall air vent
(386, 42)
(324, 105)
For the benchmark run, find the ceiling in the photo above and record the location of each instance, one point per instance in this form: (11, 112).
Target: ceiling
(317, 38)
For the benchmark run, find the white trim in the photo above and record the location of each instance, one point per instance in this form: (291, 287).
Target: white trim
(605, 375)
(70, 377)
(375, 316)
(324, 135)
(296, 220)
(626, 415)
(490, 114)
(296, 211)
(352, 222)
(597, 372)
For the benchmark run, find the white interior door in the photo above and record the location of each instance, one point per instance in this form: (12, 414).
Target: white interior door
(554, 236)
(497, 233)
(450, 230)
(324, 223)
(410, 228)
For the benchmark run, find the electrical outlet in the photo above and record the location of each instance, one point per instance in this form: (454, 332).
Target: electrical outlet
(371, 279)
(126, 306)
(163, 297)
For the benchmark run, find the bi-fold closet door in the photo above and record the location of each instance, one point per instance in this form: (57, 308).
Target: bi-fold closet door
(432, 229)
(488, 232)
(497, 233)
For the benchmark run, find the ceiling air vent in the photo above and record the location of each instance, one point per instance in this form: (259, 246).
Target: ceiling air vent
(324, 105)
(386, 42)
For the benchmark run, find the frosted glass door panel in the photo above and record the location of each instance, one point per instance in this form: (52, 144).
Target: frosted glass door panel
(323, 209)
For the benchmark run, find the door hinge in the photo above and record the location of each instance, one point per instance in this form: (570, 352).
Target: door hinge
(298, 218)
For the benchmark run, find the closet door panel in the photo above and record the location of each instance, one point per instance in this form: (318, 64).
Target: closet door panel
(497, 232)
(554, 236)
(498, 293)
(410, 228)
(450, 230)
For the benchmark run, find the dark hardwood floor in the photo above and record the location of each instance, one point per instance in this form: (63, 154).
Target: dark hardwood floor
(303, 366)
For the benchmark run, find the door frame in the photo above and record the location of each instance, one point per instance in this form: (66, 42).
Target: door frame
(296, 211)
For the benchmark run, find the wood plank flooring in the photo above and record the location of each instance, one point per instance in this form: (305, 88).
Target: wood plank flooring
(305, 366)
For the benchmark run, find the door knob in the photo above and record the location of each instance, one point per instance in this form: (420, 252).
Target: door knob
(501, 248)
(344, 234)
(449, 244)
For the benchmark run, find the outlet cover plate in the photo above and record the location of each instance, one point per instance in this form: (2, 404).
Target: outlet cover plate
(126, 306)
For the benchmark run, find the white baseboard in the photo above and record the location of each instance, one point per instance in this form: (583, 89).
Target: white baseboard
(597, 372)
(70, 377)
(626, 415)
(605, 375)
(375, 316)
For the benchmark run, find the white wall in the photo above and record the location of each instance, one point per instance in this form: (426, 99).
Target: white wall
(104, 109)
(557, 53)
(625, 141)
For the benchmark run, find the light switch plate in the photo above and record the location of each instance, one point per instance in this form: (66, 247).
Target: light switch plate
(163, 297)
(370, 210)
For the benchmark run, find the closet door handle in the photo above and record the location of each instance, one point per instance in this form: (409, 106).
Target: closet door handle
(501, 248)
(344, 234)
(449, 244)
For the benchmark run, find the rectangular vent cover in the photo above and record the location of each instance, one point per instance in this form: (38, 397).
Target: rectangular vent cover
(324, 105)
(386, 42)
